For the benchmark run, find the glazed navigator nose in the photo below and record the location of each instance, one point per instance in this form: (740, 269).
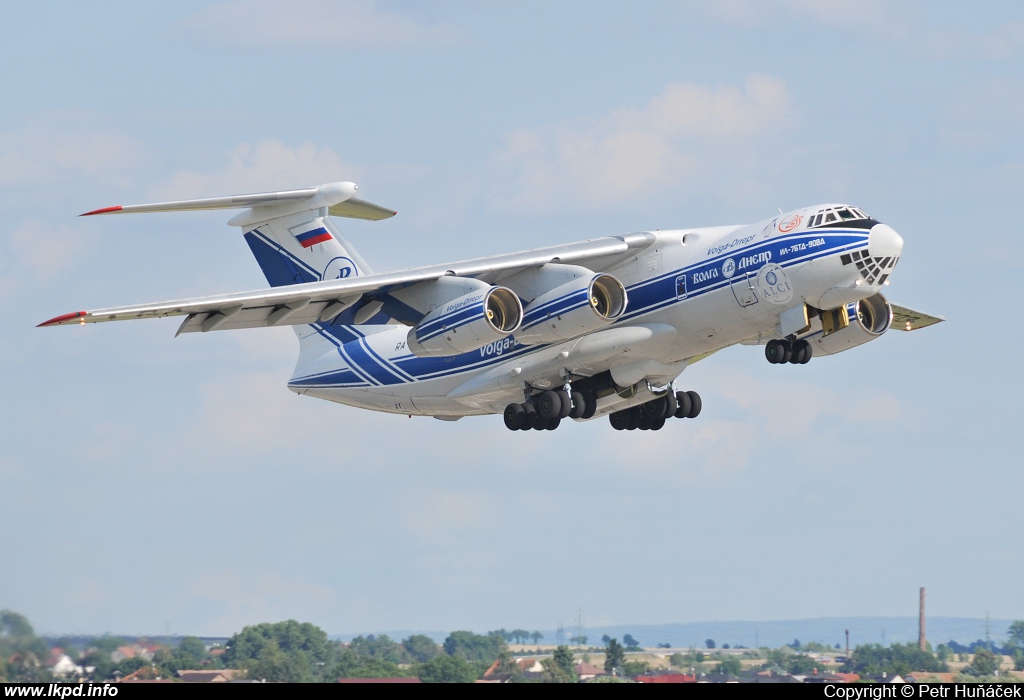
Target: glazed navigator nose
(876, 263)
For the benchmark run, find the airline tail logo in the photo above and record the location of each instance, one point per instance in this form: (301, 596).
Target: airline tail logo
(310, 238)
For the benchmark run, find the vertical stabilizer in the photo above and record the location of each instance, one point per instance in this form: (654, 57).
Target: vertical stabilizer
(303, 247)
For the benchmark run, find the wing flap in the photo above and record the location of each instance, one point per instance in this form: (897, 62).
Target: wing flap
(252, 317)
(904, 319)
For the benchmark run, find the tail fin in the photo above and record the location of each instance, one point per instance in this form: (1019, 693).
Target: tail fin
(292, 238)
(303, 247)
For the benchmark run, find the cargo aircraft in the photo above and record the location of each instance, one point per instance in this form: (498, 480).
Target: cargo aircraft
(602, 327)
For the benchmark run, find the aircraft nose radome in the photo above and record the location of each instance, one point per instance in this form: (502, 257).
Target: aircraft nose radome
(885, 242)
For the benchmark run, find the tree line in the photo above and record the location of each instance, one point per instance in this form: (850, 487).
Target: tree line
(291, 651)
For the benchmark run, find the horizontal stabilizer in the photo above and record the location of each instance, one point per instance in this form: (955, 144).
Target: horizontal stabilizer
(356, 208)
(338, 197)
(904, 319)
(240, 201)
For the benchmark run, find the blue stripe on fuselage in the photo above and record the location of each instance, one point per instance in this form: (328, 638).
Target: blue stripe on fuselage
(707, 276)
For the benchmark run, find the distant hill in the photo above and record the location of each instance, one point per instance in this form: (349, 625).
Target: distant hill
(827, 630)
(773, 633)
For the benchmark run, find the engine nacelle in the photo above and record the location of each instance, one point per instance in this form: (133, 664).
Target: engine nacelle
(570, 310)
(854, 324)
(467, 323)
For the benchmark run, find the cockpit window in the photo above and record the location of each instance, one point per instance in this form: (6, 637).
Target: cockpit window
(836, 215)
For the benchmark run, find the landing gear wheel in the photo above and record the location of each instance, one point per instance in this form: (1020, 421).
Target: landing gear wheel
(682, 404)
(591, 402)
(634, 418)
(695, 404)
(671, 405)
(549, 405)
(645, 420)
(658, 424)
(531, 416)
(774, 351)
(655, 408)
(515, 416)
(542, 423)
(619, 420)
(808, 352)
(566, 406)
(798, 354)
(787, 353)
(553, 424)
(579, 405)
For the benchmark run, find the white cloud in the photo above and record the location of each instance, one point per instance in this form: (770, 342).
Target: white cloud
(233, 601)
(984, 116)
(45, 250)
(1002, 42)
(57, 149)
(317, 23)
(38, 252)
(874, 15)
(439, 516)
(243, 415)
(251, 167)
(678, 137)
(750, 421)
(899, 21)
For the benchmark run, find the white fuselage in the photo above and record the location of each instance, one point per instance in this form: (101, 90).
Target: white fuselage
(690, 292)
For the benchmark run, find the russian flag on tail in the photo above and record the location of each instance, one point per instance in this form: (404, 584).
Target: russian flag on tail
(311, 238)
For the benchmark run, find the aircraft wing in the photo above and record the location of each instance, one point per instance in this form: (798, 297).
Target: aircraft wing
(904, 319)
(322, 301)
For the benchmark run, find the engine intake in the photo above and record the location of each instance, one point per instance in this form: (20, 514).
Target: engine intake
(570, 310)
(854, 324)
(467, 323)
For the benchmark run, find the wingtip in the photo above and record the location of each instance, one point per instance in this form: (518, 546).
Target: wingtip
(64, 318)
(104, 210)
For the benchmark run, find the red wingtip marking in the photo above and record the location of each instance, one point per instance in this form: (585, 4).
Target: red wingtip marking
(61, 319)
(104, 210)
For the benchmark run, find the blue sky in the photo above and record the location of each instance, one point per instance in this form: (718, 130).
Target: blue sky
(153, 484)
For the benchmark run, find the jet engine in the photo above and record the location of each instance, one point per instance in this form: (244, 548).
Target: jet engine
(853, 324)
(570, 310)
(467, 323)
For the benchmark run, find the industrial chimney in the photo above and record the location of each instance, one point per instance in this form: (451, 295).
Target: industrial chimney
(920, 624)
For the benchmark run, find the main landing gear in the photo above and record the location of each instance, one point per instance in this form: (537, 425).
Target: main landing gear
(653, 414)
(546, 410)
(795, 352)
